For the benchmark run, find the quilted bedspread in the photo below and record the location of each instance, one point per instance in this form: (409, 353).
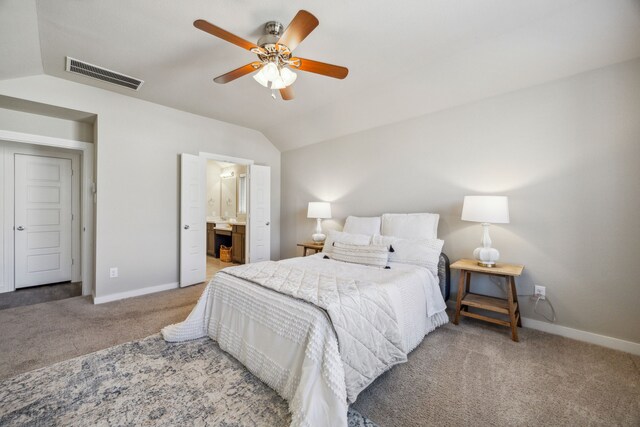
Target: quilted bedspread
(368, 334)
(316, 331)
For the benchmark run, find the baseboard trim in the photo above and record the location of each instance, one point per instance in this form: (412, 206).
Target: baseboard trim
(576, 334)
(135, 293)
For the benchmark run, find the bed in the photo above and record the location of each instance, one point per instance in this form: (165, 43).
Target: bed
(318, 330)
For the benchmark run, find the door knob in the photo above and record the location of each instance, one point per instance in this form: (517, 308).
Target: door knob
(267, 223)
(20, 228)
(186, 227)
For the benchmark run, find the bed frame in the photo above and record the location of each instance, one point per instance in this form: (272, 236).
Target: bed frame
(444, 276)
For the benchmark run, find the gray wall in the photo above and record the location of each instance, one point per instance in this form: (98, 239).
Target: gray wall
(566, 153)
(137, 150)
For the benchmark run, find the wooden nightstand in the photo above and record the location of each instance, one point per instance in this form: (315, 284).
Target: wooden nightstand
(317, 247)
(466, 299)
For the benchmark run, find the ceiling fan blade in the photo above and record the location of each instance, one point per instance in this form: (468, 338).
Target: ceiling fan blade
(287, 93)
(335, 71)
(208, 27)
(238, 72)
(300, 27)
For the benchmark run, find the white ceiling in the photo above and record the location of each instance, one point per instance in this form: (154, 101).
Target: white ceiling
(405, 58)
(19, 41)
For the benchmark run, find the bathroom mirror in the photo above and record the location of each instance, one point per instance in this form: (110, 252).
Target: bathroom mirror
(227, 188)
(228, 193)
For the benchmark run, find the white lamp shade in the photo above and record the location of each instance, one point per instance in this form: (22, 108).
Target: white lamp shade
(260, 78)
(490, 209)
(271, 71)
(319, 210)
(288, 76)
(278, 83)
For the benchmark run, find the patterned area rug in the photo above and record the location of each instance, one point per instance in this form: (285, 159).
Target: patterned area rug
(149, 382)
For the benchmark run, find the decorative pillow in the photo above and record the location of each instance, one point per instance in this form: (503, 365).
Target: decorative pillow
(342, 237)
(383, 240)
(362, 225)
(372, 255)
(410, 226)
(425, 253)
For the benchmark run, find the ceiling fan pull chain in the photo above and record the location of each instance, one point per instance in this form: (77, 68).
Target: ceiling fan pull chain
(273, 93)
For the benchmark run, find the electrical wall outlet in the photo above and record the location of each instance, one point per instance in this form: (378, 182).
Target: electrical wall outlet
(113, 272)
(540, 291)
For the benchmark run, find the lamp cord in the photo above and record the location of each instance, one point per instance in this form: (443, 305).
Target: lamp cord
(535, 309)
(498, 283)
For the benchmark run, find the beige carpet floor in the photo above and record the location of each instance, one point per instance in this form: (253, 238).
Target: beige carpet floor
(38, 335)
(39, 294)
(471, 374)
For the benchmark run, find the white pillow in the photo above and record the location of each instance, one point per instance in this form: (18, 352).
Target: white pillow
(342, 237)
(371, 255)
(425, 253)
(362, 225)
(410, 226)
(383, 240)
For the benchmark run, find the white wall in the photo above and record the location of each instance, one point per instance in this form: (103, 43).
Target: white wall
(138, 145)
(566, 153)
(38, 124)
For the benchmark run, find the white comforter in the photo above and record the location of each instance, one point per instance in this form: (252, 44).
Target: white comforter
(292, 345)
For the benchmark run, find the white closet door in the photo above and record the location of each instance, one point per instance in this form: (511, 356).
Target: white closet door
(259, 213)
(193, 228)
(42, 220)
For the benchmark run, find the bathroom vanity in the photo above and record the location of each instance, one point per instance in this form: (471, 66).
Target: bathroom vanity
(228, 234)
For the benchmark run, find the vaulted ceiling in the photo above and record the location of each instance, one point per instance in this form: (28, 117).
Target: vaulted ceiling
(405, 58)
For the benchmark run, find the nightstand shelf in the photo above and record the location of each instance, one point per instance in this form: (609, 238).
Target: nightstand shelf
(484, 302)
(314, 246)
(508, 307)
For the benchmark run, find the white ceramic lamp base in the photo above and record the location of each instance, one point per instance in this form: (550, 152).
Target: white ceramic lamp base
(318, 237)
(486, 255)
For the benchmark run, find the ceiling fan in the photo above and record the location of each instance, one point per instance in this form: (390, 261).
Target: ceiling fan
(275, 58)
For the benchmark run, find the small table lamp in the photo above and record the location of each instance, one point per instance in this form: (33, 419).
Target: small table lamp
(320, 211)
(487, 210)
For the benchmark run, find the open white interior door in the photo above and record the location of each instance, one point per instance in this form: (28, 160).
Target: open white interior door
(193, 233)
(259, 213)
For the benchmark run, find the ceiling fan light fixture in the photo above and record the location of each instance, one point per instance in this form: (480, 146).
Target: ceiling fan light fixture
(275, 54)
(270, 71)
(278, 83)
(260, 78)
(288, 76)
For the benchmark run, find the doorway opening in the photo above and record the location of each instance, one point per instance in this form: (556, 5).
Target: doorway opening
(226, 212)
(46, 246)
(217, 215)
(41, 233)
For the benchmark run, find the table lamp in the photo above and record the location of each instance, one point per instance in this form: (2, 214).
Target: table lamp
(320, 211)
(487, 210)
